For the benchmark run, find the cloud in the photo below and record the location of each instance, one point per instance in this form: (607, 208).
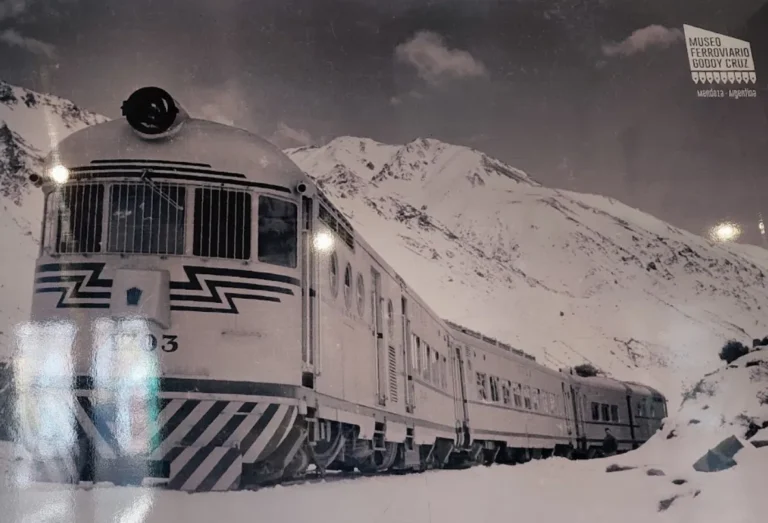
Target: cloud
(12, 8)
(225, 104)
(287, 135)
(644, 39)
(16, 10)
(413, 93)
(428, 53)
(215, 113)
(16, 39)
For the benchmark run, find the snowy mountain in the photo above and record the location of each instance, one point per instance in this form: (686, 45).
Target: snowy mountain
(567, 277)
(30, 124)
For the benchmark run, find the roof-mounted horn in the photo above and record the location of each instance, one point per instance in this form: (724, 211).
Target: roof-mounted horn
(153, 113)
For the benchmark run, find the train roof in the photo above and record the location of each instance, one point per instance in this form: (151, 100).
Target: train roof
(618, 385)
(641, 388)
(603, 382)
(203, 144)
(474, 335)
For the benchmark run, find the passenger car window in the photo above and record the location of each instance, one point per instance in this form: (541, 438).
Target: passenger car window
(494, 388)
(517, 395)
(333, 274)
(482, 387)
(348, 286)
(360, 295)
(527, 396)
(278, 232)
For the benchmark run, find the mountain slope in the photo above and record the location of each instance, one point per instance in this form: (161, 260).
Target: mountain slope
(30, 123)
(568, 277)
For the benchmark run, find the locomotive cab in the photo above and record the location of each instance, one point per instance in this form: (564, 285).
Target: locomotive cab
(173, 272)
(189, 225)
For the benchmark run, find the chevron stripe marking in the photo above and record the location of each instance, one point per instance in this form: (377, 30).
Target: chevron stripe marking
(79, 281)
(209, 417)
(214, 285)
(225, 475)
(185, 408)
(207, 468)
(281, 431)
(94, 279)
(228, 430)
(257, 429)
(229, 300)
(196, 282)
(247, 407)
(270, 437)
(193, 284)
(83, 414)
(213, 430)
(99, 423)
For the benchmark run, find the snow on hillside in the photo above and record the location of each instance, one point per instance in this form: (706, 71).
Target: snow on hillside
(656, 483)
(30, 124)
(568, 277)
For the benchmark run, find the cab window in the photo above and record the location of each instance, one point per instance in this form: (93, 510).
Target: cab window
(146, 219)
(222, 226)
(278, 232)
(76, 213)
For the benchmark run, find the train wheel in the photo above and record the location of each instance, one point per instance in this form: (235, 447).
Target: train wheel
(298, 465)
(380, 460)
(323, 453)
(564, 452)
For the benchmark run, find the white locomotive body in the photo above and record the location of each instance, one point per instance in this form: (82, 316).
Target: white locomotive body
(202, 313)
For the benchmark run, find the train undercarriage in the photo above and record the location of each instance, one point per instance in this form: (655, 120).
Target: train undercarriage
(304, 448)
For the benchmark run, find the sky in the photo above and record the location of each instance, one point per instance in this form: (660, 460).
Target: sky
(586, 95)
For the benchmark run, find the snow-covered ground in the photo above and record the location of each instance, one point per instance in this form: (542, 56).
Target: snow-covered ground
(548, 491)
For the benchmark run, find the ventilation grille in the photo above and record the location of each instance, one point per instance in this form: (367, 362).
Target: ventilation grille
(393, 374)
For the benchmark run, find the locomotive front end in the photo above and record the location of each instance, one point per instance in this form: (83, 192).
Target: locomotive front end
(166, 330)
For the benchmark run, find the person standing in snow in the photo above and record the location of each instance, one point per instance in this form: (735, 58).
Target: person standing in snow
(609, 443)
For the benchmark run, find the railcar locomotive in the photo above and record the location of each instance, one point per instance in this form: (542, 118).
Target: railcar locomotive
(202, 314)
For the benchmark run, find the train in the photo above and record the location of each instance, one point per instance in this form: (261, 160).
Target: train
(204, 317)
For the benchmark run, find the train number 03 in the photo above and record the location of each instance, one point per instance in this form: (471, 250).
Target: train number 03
(169, 343)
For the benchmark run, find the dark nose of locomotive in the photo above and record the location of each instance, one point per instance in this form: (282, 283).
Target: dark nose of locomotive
(152, 113)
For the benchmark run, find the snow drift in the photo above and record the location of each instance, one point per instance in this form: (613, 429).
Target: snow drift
(655, 483)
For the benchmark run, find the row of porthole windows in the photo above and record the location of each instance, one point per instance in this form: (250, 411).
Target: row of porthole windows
(334, 284)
